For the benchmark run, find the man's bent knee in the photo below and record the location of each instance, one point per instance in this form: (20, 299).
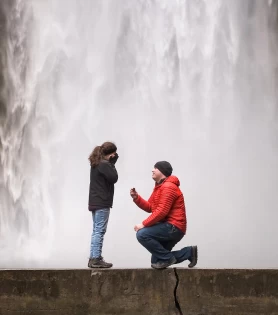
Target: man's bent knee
(140, 235)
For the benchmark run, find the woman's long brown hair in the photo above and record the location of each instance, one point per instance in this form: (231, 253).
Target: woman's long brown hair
(100, 151)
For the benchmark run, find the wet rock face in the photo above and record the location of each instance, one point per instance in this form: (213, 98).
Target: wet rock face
(13, 64)
(3, 60)
(9, 44)
(6, 34)
(5, 7)
(139, 291)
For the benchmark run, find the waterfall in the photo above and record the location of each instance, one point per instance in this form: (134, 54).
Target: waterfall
(192, 82)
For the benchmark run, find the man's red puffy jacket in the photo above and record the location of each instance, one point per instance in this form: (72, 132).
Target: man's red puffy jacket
(165, 204)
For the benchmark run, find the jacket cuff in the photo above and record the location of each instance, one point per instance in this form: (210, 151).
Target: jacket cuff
(145, 223)
(137, 200)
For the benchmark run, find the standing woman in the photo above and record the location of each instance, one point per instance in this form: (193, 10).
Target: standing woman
(102, 179)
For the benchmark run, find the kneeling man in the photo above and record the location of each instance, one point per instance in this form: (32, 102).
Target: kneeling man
(166, 224)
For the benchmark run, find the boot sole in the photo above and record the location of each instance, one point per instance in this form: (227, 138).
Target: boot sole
(103, 267)
(164, 267)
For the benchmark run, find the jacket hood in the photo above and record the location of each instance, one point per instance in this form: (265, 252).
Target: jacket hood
(173, 179)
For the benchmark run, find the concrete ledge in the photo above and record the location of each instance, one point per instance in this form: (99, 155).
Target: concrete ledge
(228, 292)
(80, 292)
(139, 291)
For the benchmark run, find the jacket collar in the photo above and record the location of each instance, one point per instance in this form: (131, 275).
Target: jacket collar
(160, 182)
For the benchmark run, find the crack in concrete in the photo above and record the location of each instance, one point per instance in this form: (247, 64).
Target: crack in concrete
(177, 304)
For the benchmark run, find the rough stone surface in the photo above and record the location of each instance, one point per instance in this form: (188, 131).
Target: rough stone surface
(139, 291)
(84, 292)
(227, 292)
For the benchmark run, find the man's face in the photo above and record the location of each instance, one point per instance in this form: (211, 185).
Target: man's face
(156, 175)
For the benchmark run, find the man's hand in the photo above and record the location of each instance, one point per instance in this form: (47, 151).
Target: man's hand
(138, 227)
(133, 193)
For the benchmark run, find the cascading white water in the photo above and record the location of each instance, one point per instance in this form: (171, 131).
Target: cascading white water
(192, 82)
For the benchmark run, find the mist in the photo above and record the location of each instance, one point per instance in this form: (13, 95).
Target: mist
(190, 82)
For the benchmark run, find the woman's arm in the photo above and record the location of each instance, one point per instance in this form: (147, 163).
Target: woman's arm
(109, 171)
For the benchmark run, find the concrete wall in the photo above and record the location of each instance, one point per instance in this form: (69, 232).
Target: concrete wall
(139, 291)
(228, 292)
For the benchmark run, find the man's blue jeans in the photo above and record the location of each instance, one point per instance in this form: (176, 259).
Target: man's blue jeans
(159, 240)
(100, 221)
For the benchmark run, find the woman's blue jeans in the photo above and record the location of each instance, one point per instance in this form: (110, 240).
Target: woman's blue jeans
(100, 221)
